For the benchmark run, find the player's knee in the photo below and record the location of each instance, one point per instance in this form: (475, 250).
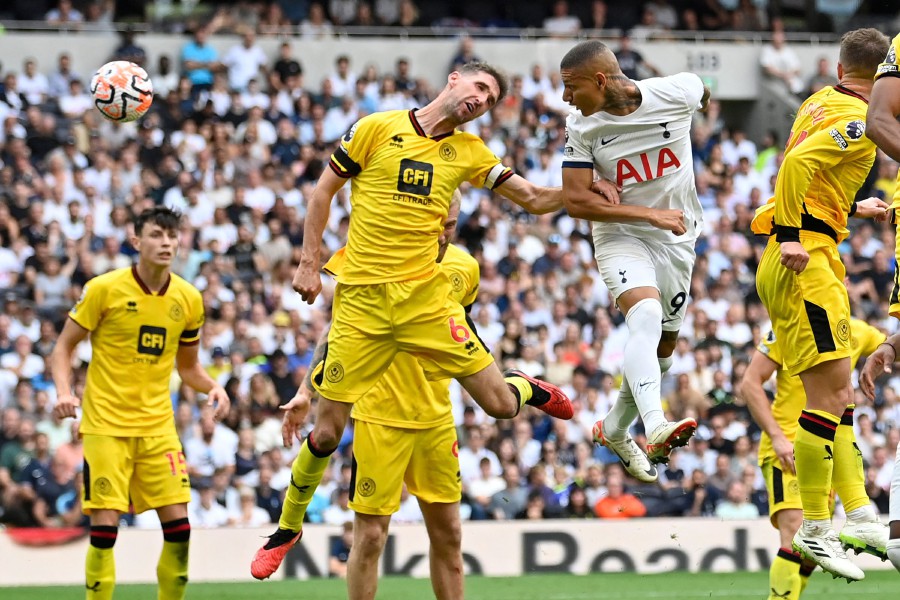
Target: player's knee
(893, 552)
(369, 539)
(324, 440)
(448, 536)
(104, 536)
(646, 316)
(177, 530)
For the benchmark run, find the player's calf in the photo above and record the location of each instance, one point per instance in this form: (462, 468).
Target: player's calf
(99, 565)
(172, 569)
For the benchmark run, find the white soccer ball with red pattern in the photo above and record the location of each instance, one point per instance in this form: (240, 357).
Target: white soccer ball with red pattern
(122, 91)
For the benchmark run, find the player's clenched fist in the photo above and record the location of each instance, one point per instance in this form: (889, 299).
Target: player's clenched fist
(671, 220)
(307, 282)
(66, 404)
(794, 256)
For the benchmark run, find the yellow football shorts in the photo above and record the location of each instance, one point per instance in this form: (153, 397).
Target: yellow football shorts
(385, 457)
(810, 311)
(151, 471)
(784, 491)
(371, 323)
(895, 293)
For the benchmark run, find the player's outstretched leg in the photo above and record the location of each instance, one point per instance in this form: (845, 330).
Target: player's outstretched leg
(539, 394)
(306, 474)
(619, 419)
(863, 531)
(644, 320)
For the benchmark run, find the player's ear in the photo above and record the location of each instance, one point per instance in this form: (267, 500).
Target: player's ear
(840, 71)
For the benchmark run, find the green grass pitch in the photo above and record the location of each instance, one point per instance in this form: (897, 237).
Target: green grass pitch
(669, 586)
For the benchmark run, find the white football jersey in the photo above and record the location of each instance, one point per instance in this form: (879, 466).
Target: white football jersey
(648, 153)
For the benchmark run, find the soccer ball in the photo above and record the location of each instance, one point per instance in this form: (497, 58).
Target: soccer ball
(122, 91)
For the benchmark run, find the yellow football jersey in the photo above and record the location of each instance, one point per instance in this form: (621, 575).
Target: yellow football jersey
(403, 397)
(135, 335)
(827, 159)
(790, 398)
(402, 182)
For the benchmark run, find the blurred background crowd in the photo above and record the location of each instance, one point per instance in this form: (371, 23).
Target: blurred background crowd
(237, 140)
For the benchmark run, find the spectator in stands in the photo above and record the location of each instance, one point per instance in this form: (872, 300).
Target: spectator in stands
(199, 60)
(64, 14)
(823, 77)
(316, 26)
(780, 62)
(32, 84)
(618, 504)
(561, 23)
(249, 514)
(736, 504)
(465, 53)
(409, 14)
(204, 511)
(340, 552)
(245, 61)
(578, 507)
(128, 49)
(631, 61)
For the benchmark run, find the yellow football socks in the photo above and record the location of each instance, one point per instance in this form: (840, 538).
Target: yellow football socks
(172, 568)
(814, 457)
(100, 564)
(784, 576)
(522, 386)
(306, 474)
(848, 480)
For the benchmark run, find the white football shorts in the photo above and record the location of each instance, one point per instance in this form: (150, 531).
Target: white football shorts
(628, 262)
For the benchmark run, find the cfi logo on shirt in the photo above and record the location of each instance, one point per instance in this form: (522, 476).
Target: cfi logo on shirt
(891, 56)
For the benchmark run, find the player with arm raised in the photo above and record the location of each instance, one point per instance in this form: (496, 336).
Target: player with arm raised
(800, 282)
(404, 433)
(789, 572)
(637, 134)
(392, 297)
(143, 321)
(884, 129)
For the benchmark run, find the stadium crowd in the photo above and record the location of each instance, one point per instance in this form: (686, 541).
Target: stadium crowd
(236, 142)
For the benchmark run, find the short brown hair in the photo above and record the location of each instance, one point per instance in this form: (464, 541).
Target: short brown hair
(862, 50)
(477, 66)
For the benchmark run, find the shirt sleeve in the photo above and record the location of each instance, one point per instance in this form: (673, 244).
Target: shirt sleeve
(822, 150)
(89, 310)
(352, 155)
(889, 67)
(194, 319)
(770, 347)
(473, 276)
(578, 154)
(487, 170)
(871, 339)
(691, 87)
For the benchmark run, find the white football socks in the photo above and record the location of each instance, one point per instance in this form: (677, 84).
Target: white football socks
(644, 322)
